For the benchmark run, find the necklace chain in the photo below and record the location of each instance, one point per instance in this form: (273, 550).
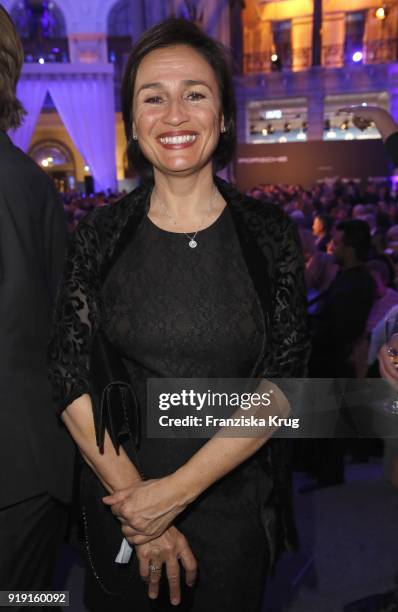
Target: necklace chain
(192, 242)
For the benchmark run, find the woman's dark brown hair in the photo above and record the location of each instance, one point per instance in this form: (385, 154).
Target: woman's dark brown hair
(11, 61)
(170, 33)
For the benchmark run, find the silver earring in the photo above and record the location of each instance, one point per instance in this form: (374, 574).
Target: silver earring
(135, 137)
(223, 129)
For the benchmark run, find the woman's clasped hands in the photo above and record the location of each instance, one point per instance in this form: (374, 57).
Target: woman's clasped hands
(146, 508)
(146, 511)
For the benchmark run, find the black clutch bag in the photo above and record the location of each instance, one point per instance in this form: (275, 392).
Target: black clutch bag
(115, 405)
(115, 409)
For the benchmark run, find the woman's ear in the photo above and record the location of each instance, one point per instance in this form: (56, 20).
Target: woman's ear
(134, 133)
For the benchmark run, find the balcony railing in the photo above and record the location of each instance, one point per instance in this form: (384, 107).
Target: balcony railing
(380, 51)
(297, 59)
(333, 56)
(49, 49)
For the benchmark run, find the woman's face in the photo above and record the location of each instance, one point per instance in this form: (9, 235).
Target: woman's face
(176, 109)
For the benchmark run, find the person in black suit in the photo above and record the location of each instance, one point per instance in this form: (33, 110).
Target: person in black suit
(338, 325)
(36, 455)
(346, 305)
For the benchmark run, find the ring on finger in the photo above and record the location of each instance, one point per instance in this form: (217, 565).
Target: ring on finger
(154, 568)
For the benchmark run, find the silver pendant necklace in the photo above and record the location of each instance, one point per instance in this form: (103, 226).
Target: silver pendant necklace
(192, 239)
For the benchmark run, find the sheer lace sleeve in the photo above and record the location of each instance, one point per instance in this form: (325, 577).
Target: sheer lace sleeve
(76, 316)
(290, 336)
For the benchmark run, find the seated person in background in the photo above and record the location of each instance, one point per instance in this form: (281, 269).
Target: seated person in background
(358, 211)
(378, 336)
(320, 269)
(392, 240)
(386, 297)
(378, 241)
(321, 228)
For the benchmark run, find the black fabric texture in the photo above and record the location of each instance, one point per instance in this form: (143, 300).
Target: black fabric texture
(263, 271)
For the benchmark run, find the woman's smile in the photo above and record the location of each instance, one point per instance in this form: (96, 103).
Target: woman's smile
(178, 140)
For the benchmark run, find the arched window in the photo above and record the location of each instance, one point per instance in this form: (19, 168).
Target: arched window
(41, 26)
(121, 18)
(120, 39)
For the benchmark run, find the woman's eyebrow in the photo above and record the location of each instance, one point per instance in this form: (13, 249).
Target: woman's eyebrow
(195, 82)
(149, 86)
(158, 84)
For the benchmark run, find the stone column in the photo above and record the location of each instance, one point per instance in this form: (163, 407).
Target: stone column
(315, 115)
(316, 33)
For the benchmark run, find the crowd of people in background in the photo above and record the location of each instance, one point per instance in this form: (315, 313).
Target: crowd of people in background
(77, 205)
(318, 212)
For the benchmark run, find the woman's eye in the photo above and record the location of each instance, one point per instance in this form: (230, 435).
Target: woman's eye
(195, 95)
(153, 100)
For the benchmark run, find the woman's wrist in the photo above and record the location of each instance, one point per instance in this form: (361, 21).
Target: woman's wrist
(185, 484)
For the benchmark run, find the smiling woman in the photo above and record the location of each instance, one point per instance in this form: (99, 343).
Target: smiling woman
(177, 121)
(186, 278)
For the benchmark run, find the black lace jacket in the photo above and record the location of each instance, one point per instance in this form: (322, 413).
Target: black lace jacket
(271, 249)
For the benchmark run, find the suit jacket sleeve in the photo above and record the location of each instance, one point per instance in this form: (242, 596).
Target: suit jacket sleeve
(76, 316)
(54, 239)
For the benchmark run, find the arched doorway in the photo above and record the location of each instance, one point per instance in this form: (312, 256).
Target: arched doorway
(41, 26)
(57, 160)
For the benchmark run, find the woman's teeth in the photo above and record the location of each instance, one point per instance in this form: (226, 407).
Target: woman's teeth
(178, 139)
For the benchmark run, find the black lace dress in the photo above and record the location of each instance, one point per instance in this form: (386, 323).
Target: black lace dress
(173, 311)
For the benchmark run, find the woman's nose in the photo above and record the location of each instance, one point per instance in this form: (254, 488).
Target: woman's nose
(175, 112)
